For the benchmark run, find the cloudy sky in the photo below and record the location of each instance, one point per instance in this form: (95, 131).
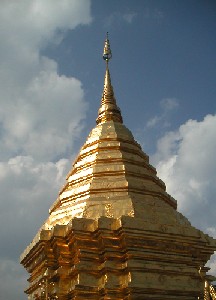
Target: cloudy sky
(51, 78)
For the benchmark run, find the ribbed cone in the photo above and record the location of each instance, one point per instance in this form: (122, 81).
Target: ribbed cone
(110, 177)
(108, 111)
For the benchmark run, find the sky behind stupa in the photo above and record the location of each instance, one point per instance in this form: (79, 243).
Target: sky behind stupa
(163, 72)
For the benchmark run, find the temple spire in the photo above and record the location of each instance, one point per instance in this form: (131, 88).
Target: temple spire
(107, 54)
(108, 111)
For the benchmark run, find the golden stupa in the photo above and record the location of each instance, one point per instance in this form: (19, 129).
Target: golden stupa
(114, 232)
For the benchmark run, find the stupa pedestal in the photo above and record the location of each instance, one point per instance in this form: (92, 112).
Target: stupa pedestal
(125, 258)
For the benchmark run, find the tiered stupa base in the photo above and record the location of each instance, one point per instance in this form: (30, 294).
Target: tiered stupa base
(117, 259)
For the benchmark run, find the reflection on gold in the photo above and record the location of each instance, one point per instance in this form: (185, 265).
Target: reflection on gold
(109, 208)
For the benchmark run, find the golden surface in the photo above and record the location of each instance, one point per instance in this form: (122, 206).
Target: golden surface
(107, 53)
(209, 292)
(113, 258)
(114, 232)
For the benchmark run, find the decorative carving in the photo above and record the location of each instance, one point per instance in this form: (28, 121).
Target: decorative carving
(131, 213)
(85, 212)
(109, 210)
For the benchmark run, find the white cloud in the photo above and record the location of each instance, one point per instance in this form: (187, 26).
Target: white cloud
(185, 160)
(118, 17)
(33, 95)
(153, 121)
(29, 189)
(41, 114)
(34, 23)
(48, 113)
(168, 105)
(129, 17)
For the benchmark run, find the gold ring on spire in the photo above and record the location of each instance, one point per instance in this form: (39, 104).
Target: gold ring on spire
(107, 53)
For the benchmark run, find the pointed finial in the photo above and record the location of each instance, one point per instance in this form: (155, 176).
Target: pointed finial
(108, 111)
(107, 53)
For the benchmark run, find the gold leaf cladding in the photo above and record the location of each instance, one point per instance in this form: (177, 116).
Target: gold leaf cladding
(109, 210)
(131, 213)
(85, 213)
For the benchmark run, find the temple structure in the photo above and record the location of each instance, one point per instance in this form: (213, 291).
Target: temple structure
(114, 232)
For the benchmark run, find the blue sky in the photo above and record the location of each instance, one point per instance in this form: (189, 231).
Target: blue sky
(161, 49)
(166, 46)
(163, 72)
